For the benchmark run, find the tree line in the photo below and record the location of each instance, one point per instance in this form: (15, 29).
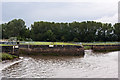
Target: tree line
(87, 31)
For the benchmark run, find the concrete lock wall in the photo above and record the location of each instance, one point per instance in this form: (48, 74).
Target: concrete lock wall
(52, 49)
(9, 49)
(106, 47)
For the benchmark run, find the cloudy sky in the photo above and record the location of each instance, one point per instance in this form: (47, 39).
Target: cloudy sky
(60, 10)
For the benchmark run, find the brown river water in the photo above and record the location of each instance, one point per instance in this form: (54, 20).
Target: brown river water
(92, 65)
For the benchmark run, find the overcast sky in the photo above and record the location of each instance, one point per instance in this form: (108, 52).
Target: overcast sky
(60, 11)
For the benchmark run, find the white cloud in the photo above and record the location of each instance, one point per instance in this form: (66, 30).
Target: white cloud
(60, 0)
(60, 11)
(109, 19)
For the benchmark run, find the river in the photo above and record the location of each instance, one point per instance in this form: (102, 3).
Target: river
(92, 65)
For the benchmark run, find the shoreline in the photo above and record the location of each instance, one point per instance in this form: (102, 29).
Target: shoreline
(7, 56)
(7, 63)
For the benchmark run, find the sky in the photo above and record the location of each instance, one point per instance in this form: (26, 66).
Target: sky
(105, 11)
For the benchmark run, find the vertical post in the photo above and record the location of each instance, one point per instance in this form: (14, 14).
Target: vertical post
(13, 49)
(28, 46)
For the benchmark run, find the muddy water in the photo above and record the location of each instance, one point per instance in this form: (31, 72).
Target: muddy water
(91, 66)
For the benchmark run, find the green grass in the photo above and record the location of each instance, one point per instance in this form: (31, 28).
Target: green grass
(6, 56)
(101, 43)
(70, 43)
(87, 47)
(5, 45)
(49, 43)
(65, 43)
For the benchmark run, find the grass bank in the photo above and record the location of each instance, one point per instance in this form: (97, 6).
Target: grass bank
(101, 43)
(70, 43)
(6, 56)
(5, 45)
(49, 43)
(65, 43)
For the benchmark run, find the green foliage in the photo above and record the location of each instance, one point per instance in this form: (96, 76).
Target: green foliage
(87, 47)
(75, 40)
(49, 43)
(101, 43)
(117, 31)
(15, 28)
(12, 39)
(62, 38)
(88, 31)
(5, 45)
(5, 56)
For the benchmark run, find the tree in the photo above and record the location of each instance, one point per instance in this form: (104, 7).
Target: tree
(49, 36)
(117, 31)
(87, 31)
(14, 28)
(75, 40)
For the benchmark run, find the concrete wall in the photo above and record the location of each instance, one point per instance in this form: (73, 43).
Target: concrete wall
(56, 50)
(8, 49)
(106, 47)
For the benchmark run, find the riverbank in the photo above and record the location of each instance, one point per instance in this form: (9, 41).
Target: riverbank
(102, 46)
(6, 56)
(59, 48)
(49, 43)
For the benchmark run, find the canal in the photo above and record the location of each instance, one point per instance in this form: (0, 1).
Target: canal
(92, 65)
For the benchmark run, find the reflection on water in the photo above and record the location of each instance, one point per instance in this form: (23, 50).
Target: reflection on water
(91, 66)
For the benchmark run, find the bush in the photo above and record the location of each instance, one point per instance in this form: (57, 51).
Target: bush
(87, 47)
(75, 40)
(5, 56)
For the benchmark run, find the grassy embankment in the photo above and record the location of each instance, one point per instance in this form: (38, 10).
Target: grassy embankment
(101, 43)
(87, 45)
(49, 43)
(6, 56)
(68, 43)
(5, 45)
